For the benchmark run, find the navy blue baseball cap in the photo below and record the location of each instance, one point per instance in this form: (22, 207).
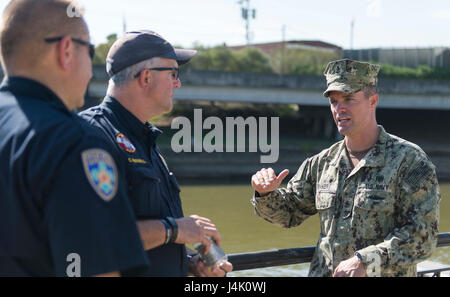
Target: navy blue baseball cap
(137, 46)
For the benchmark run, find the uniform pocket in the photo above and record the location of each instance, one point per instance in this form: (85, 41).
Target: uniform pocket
(325, 200)
(142, 173)
(325, 205)
(373, 216)
(374, 201)
(144, 190)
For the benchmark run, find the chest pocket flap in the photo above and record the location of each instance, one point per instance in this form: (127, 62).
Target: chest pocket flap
(138, 174)
(325, 200)
(374, 200)
(145, 193)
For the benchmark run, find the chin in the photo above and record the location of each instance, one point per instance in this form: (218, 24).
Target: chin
(344, 131)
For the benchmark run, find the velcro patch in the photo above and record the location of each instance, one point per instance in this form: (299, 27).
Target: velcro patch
(418, 175)
(101, 171)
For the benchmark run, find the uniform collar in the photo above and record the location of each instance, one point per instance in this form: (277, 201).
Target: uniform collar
(133, 125)
(25, 87)
(375, 157)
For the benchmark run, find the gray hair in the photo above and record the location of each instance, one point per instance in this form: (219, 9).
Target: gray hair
(128, 74)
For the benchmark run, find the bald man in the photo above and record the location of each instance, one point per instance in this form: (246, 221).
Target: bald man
(63, 208)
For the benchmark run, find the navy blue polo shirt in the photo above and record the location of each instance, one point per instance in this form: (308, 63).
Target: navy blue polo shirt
(153, 189)
(61, 191)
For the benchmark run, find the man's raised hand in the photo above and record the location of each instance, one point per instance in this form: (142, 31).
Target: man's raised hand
(265, 180)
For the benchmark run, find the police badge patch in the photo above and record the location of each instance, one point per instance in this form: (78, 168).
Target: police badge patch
(125, 143)
(101, 172)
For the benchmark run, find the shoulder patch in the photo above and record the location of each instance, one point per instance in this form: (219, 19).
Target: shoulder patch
(419, 174)
(125, 143)
(101, 171)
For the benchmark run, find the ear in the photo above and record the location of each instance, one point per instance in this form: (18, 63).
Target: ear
(145, 79)
(65, 53)
(373, 99)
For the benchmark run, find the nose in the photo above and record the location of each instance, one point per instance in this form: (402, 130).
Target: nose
(178, 83)
(340, 107)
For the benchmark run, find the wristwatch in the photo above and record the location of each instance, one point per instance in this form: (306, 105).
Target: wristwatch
(358, 255)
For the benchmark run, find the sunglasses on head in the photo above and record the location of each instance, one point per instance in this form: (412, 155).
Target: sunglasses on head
(79, 41)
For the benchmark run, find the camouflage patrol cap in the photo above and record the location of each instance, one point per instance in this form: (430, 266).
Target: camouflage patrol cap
(350, 76)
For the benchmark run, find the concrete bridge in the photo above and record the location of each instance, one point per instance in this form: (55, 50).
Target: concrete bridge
(304, 90)
(418, 110)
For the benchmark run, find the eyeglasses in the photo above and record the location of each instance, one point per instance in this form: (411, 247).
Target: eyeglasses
(79, 41)
(176, 71)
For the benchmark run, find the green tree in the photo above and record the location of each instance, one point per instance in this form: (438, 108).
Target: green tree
(421, 72)
(251, 59)
(218, 58)
(101, 51)
(297, 61)
(221, 58)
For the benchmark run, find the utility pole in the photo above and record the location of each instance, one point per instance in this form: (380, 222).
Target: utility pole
(124, 24)
(247, 14)
(352, 25)
(283, 50)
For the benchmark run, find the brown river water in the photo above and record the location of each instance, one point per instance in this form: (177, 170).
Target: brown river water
(229, 208)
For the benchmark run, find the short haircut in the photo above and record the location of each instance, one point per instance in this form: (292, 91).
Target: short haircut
(369, 91)
(26, 23)
(128, 74)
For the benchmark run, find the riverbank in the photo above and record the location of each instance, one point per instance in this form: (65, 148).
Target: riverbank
(236, 167)
(299, 138)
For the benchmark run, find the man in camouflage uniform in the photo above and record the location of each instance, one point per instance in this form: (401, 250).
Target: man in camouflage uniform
(377, 195)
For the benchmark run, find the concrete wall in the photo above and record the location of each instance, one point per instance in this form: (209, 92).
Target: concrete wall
(241, 166)
(305, 90)
(304, 82)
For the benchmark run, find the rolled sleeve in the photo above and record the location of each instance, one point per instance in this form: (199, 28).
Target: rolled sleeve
(290, 206)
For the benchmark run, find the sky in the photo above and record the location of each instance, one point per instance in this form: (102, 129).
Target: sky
(376, 23)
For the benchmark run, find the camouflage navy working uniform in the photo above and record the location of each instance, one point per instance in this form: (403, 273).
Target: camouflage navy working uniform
(386, 208)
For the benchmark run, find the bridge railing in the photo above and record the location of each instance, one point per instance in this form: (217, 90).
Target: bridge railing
(263, 259)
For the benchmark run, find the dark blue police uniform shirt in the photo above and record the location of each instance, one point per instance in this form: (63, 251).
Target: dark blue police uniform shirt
(49, 207)
(153, 189)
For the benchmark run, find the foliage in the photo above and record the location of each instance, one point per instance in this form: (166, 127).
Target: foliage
(221, 58)
(285, 61)
(101, 51)
(422, 72)
(295, 61)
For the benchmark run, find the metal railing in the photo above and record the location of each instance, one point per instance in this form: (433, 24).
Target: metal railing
(263, 259)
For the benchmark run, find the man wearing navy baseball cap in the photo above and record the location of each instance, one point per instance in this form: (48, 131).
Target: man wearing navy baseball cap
(137, 46)
(144, 72)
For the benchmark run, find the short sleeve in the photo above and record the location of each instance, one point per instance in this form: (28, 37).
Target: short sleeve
(88, 213)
